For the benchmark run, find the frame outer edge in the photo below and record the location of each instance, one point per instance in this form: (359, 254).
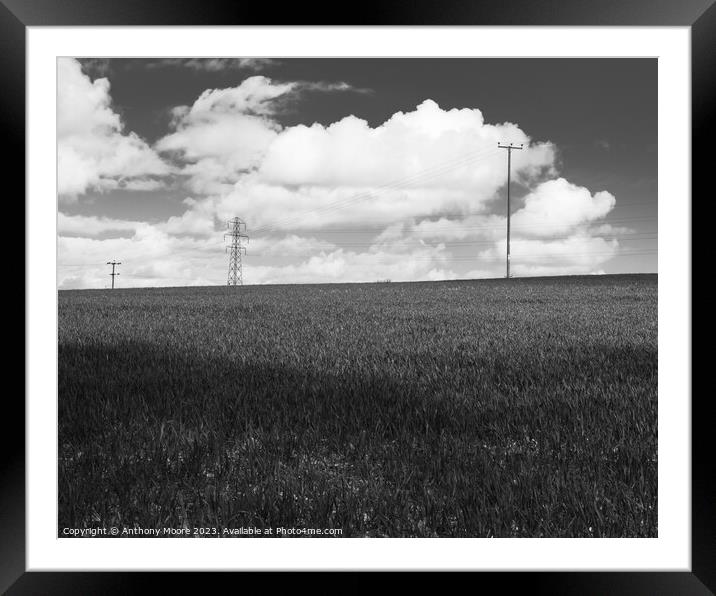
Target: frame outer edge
(703, 127)
(12, 109)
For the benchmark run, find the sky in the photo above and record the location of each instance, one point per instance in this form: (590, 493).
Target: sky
(352, 169)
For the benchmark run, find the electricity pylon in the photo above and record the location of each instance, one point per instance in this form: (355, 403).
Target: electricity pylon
(235, 249)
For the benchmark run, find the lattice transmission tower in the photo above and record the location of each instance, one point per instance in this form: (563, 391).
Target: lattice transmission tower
(235, 248)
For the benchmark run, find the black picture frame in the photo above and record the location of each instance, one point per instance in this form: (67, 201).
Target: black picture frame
(17, 15)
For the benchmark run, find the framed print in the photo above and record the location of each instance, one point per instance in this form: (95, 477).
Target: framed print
(416, 287)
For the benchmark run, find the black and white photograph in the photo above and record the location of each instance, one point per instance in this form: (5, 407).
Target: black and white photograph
(357, 297)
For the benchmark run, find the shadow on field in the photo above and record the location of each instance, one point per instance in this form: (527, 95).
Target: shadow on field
(562, 445)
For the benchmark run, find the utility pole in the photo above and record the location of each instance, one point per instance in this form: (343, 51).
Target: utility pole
(235, 249)
(114, 264)
(509, 148)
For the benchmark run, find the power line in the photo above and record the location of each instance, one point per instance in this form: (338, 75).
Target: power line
(113, 274)
(484, 240)
(378, 225)
(235, 248)
(422, 177)
(461, 242)
(412, 230)
(426, 175)
(621, 254)
(235, 225)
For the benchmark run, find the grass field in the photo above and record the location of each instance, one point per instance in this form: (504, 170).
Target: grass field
(467, 408)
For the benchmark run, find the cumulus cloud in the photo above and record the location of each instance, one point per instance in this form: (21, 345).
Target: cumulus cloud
(94, 152)
(428, 148)
(289, 246)
(226, 133)
(423, 192)
(416, 164)
(84, 225)
(557, 206)
(196, 221)
(557, 231)
(578, 253)
(150, 257)
(488, 226)
(353, 266)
